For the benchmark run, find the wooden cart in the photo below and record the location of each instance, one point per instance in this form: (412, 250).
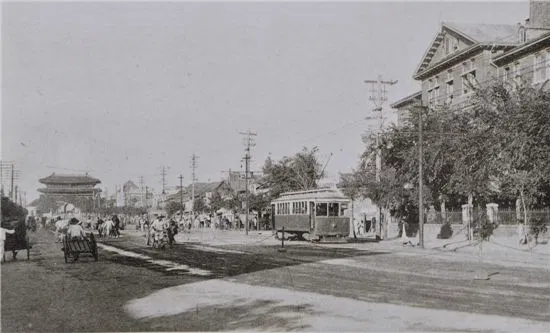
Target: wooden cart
(17, 241)
(72, 248)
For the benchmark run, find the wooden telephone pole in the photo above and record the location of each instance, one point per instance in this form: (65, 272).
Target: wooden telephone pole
(248, 143)
(379, 97)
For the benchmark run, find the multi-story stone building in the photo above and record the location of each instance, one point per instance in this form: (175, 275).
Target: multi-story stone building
(462, 56)
(528, 63)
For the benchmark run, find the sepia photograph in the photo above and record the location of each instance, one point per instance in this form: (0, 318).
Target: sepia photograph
(275, 166)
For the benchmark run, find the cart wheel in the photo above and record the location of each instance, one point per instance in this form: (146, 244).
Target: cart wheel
(93, 245)
(65, 249)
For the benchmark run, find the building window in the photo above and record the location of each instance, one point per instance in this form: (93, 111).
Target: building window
(433, 90)
(465, 67)
(449, 91)
(541, 67)
(468, 76)
(505, 73)
(516, 72)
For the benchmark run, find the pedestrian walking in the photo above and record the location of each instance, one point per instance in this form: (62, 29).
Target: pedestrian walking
(3, 233)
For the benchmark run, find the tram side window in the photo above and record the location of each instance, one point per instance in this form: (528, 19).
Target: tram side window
(321, 209)
(343, 209)
(333, 209)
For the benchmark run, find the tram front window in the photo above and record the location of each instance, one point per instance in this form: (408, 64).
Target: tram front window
(332, 209)
(321, 209)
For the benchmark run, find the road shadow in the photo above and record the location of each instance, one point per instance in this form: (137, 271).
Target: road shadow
(258, 315)
(231, 260)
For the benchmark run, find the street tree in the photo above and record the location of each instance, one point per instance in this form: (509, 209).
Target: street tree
(516, 119)
(199, 205)
(299, 172)
(172, 207)
(216, 202)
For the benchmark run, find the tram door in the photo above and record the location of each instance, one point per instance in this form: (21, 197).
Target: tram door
(312, 216)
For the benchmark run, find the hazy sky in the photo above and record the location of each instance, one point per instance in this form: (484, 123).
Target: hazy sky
(120, 89)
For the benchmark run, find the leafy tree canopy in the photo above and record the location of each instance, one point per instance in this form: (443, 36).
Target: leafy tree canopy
(299, 172)
(498, 146)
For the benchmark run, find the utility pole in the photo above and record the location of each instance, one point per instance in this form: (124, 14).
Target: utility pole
(379, 97)
(193, 179)
(146, 194)
(248, 142)
(420, 172)
(181, 194)
(163, 170)
(12, 176)
(2, 177)
(141, 190)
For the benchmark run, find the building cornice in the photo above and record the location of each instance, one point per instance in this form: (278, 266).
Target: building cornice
(406, 100)
(523, 49)
(458, 57)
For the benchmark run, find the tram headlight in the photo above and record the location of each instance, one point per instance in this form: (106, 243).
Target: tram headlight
(333, 225)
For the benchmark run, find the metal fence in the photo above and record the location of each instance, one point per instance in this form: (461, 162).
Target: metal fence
(508, 216)
(452, 217)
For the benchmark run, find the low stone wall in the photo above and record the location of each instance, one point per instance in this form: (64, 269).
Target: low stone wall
(432, 229)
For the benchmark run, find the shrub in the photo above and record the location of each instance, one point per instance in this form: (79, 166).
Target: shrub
(445, 232)
(483, 228)
(537, 228)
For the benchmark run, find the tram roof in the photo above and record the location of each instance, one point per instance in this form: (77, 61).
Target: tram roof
(317, 194)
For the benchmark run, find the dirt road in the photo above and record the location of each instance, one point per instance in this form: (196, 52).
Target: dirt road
(236, 287)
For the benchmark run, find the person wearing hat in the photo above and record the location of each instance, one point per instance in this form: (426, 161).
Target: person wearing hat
(75, 230)
(158, 226)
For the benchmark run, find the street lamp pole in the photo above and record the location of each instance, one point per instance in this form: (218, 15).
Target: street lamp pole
(420, 176)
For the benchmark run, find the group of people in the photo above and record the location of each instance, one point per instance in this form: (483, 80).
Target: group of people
(162, 227)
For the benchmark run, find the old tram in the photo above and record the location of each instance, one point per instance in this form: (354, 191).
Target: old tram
(315, 214)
